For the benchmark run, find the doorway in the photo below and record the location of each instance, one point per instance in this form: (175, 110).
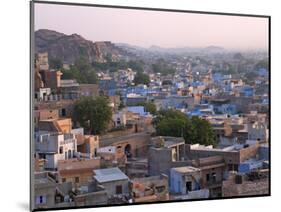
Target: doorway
(188, 186)
(128, 151)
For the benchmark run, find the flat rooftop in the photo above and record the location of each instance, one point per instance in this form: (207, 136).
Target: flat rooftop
(171, 143)
(42, 178)
(186, 169)
(75, 165)
(231, 148)
(107, 149)
(168, 141)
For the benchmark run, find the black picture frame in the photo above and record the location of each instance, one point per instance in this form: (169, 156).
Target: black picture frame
(32, 53)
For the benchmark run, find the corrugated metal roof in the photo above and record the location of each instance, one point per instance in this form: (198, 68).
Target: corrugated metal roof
(109, 174)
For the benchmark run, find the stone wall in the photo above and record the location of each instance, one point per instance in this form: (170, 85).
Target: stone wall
(258, 187)
(137, 143)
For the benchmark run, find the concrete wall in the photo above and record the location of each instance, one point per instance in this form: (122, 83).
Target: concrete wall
(248, 152)
(219, 176)
(48, 195)
(230, 157)
(110, 187)
(93, 198)
(46, 188)
(58, 105)
(257, 187)
(159, 161)
(176, 182)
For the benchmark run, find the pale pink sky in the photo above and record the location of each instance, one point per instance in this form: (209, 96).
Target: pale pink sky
(146, 28)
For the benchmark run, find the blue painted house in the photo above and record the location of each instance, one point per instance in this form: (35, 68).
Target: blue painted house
(184, 179)
(138, 109)
(262, 72)
(109, 87)
(248, 91)
(250, 165)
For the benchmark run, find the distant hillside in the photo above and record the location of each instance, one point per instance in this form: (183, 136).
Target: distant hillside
(214, 49)
(68, 48)
(179, 50)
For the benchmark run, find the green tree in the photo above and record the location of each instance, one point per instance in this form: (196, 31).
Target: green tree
(82, 71)
(141, 78)
(262, 64)
(172, 123)
(171, 127)
(149, 107)
(238, 56)
(55, 64)
(171, 113)
(94, 114)
(162, 67)
(176, 123)
(202, 132)
(249, 77)
(136, 65)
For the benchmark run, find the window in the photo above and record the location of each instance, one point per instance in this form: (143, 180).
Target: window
(42, 156)
(188, 186)
(41, 200)
(63, 112)
(76, 179)
(119, 189)
(61, 150)
(44, 138)
(214, 177)
(207, 177)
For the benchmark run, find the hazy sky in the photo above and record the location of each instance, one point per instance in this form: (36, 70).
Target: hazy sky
(146, 28)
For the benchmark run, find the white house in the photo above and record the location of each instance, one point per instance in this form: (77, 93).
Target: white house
(54, 147)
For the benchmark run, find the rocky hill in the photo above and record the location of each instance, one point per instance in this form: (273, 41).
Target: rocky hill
(68, 48)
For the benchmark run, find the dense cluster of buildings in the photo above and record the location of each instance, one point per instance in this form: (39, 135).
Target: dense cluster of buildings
(132, 165)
